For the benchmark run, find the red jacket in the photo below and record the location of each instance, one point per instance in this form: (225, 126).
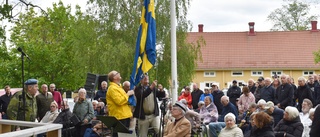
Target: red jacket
(186, 97)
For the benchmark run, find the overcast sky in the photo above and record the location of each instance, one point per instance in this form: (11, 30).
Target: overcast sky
(217, 15)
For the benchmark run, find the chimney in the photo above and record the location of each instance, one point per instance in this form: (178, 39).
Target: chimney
(251, 29)
(200, 27)
(314, 26)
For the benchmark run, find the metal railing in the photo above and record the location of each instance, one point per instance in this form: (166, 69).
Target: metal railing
(52, 130)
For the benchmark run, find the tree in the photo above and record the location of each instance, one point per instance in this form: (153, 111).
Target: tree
(293, 16)
(119, 22)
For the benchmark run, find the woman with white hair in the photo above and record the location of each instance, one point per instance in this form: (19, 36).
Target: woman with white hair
(83, 109)
(231, 129)
(290, 125)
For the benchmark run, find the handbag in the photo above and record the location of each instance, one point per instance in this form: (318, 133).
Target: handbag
(75, 120)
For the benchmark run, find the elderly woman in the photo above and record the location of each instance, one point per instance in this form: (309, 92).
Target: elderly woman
(83, 109)
(181, 127)
(245, 99)
(231, 129)
(51, 115)
(262, 125)
(290, 125)
(209, 112)
(302, 92)
(304, 117)
(205, 94)
(261, 104)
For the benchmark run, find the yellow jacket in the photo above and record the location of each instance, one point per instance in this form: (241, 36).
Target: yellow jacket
(117, 101)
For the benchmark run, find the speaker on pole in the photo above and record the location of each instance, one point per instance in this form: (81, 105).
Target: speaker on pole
(90, 84)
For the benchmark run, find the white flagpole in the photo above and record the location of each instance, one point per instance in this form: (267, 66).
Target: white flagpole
(174, 76)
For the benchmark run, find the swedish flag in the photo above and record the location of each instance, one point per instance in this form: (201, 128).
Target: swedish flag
(145, 55)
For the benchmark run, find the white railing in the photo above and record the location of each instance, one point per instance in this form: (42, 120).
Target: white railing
(52, 130)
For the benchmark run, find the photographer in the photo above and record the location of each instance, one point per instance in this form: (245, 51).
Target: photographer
(147, 110)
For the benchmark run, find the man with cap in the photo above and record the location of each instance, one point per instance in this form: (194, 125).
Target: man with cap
(181, 126)
(15, 109)
(273, 111)
(217, 94)
(234, 92)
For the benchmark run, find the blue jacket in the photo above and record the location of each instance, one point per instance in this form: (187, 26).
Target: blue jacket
(204, 95)
(230, 108)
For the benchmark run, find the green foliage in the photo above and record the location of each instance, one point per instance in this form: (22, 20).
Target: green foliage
(63, 47)
(293, 16)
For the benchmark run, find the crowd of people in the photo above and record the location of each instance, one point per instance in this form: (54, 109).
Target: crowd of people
(269, 107)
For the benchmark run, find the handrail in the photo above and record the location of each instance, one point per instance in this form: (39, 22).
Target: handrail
(37, 128)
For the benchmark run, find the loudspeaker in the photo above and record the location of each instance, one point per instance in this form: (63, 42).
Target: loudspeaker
(90, 84)
(102, 78)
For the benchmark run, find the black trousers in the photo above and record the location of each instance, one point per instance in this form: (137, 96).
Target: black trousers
(125, 122)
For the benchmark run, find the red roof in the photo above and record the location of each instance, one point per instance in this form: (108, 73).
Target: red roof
(272, 50)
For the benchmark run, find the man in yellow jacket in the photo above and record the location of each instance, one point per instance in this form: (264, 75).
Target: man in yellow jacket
(117, 100)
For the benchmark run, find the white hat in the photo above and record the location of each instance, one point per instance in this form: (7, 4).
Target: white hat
(268, 105)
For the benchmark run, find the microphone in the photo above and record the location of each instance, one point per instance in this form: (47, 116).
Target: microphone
(20, 49)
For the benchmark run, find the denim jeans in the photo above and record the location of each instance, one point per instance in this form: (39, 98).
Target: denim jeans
(215, 128)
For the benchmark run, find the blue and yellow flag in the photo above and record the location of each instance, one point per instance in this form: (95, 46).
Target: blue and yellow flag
(145, 55)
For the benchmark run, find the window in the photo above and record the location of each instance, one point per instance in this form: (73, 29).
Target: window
(209, 83)
(307, 73)
(276, 73)
(236, 73)
(209, 74)
(256, 73)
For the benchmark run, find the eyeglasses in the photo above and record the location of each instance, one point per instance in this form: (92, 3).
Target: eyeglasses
(53, 106)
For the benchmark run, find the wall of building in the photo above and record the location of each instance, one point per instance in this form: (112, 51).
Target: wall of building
(224, 77)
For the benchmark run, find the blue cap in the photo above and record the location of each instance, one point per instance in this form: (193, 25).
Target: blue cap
(31, 82)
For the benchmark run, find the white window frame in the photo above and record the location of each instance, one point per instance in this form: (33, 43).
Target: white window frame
(210, 75)
(237, 71)
(276, 72)
(209, 83)
(308, 72)
(257, 71)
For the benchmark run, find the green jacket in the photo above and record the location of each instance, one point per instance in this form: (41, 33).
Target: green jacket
(43, 103)
(30, 110)
(84, 110)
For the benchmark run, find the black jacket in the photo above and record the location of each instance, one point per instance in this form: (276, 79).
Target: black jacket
(217, 100)
(141, 93)
(268, 93)
(315, 127)
(4, 102)
(64, 118)
(233, 93)
(266, 131)
(301, 93)
(195, 98)
(284, 95)
(292, 128)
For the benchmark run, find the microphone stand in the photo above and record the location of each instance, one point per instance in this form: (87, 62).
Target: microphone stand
(23, 89)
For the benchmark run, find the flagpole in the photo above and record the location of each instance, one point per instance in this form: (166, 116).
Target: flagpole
(174, 76)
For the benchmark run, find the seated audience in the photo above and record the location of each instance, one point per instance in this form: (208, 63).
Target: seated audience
(304, 117)
(51, 115)
(181, 127)
(187, 96)
(245, 99)
(290, 125)
(315, 127)
(262, 125)
(205, 94)
(274, 111)
(261, 104)
(231, 129)
(209, 112)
